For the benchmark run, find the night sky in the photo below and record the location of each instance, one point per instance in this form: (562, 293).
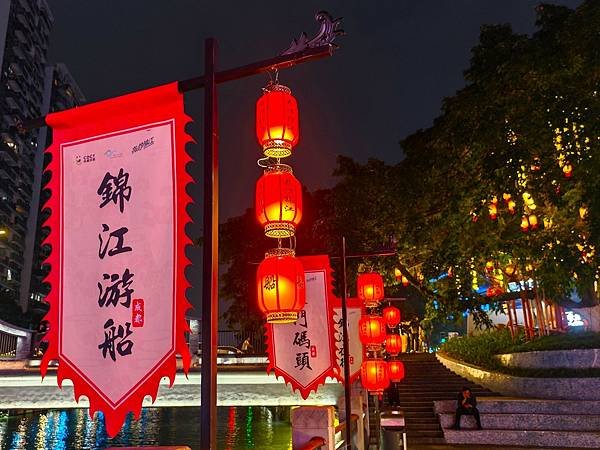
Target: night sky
(398, 61)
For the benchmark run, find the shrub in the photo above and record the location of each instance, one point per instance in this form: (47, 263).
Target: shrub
(479, 349)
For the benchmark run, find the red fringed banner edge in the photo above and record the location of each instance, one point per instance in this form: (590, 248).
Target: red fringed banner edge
(128, 111)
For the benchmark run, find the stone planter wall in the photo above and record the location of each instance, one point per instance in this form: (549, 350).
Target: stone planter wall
(552, 388)
(571, 359)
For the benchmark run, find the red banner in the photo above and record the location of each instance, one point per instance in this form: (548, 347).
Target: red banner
(303, 353)
(117, 232)
(354, 311)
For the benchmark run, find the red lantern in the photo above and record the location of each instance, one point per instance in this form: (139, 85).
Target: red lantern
(393, 344)
(370, 288)
(392, 316)
(371, 330)
(396, 371)
(281, 290)
(278, 201)
(374, 375)
(277, 128)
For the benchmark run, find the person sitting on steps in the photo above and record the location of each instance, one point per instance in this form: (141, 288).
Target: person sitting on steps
(466, 404)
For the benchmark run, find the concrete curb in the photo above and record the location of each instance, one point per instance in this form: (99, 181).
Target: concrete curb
(551, 359)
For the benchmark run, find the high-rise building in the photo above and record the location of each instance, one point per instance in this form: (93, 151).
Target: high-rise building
(24, 36)
(60, 92)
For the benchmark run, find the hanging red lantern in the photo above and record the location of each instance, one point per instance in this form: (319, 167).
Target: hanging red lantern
(396, 371)
(393, 344)
(278, 201)
(392, 316)
(281, 290)
(369, 287)
(277, 127)
(371, 331)
(374, 376)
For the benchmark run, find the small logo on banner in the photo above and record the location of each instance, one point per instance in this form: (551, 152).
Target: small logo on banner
(137, 312)
(112, 154)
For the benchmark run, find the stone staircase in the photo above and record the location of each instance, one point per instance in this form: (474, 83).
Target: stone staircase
(526, 422)
(426, 381)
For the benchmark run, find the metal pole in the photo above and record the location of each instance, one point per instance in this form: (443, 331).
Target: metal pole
(210, 268)
(347, 384)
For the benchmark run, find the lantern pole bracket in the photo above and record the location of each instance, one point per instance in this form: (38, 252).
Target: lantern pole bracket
(330, 29)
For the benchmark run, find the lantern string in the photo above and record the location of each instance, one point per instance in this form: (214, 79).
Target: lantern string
(264, 162)
(273, 78)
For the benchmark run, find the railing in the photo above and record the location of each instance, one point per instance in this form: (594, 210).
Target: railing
(8, 345)
(15, 342)
(314, 444)
(235, 339)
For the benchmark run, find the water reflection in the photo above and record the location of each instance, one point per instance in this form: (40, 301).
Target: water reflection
(237, 428)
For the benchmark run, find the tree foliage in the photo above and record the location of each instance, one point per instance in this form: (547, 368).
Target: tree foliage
(529, 111)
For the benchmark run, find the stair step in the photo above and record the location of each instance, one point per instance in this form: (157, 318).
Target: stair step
(527, 422)
(500, 405)
(418, 414)
(529, 438)
(432, 419)
(417, 427)
(425, 433)
(412, 442)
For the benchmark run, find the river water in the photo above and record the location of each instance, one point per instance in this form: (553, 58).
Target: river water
(250, 427)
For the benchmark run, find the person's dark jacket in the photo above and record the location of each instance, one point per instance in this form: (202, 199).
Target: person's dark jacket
(471, 401)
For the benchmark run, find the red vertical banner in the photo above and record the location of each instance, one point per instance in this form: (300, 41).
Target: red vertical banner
(117, 232)
(354, 310)
(303, 353)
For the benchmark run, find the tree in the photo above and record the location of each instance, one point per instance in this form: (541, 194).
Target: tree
(525, 130)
